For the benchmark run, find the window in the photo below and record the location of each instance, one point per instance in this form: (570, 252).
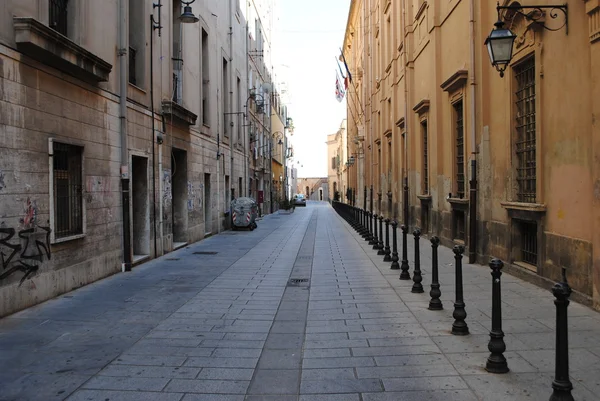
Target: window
(525, 141)
(177, 58)
(58, 16)
(425, 164)
(333, 164)
(528, 234)
(239, 108)
(460, 149)
(67, 190)
(205, 79)
(224, 94)
(459, 225)
(137, 42)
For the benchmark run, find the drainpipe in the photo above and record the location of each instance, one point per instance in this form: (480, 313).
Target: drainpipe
(123, 47)
(405, 207)
(473, 182)
(231, 176)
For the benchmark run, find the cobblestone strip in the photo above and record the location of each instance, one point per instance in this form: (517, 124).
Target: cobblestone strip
(277, 375)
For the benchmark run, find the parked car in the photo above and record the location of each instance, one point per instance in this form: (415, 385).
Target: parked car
(299, 200)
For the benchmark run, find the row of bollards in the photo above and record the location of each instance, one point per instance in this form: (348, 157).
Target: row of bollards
(366, 224)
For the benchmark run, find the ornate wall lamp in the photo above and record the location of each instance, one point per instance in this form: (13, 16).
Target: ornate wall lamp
(500, 41)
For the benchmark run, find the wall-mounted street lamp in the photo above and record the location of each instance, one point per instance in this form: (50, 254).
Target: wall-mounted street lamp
(188, 16)
(500, 41)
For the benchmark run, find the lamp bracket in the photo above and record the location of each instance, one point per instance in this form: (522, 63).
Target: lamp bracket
(536, 14)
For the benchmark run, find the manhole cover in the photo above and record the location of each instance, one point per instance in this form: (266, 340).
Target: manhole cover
(205, 253)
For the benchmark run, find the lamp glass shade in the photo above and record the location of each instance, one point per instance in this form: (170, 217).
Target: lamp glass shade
(500, 45)
(188, 16)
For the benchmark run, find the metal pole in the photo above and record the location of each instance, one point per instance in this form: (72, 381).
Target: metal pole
(561, 384)
(417, 287)
(380, 243)
(496, 362)
(386, 251)
(395, 265)
(459, 327)
(435, 303)
(374, 240)
(404, 275)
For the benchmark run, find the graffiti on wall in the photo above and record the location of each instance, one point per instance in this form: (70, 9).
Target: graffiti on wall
(191, 196)
(24, 249)
(167, 194)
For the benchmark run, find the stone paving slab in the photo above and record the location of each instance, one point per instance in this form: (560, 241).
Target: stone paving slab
(232, 327)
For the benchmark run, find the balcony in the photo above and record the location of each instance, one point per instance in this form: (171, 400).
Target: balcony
(179, 113)
(50, 47)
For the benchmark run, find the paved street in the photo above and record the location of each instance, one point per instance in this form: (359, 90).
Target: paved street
(231, 326)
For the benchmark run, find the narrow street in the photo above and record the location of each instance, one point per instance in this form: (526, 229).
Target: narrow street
(299, 309)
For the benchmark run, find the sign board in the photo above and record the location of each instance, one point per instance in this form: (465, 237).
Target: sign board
(260, 196)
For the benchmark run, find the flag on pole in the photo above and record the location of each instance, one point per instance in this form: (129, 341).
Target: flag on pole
(349, 76)
(345, 78)
(339, 90)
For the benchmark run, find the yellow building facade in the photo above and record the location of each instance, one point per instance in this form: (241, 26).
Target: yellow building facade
(508, 166)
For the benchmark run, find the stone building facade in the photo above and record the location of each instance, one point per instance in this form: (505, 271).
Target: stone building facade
(123, 136)
(510, 166)
(337, 164)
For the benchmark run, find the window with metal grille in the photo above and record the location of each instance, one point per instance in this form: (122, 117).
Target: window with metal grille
(132, 77)
(425, 169)
(68, 190)
(460, 150)
(525, 141)
(528, 233)
(459, 225)
(58, 16)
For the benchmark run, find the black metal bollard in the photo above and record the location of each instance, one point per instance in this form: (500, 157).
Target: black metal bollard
(435, 303)
(372, 231)
(380, 243)
(375, 237)
(496, 362)
(395, 265)
(417, 287)
(459, 327)
(386, 250)
(404, 275)
(561, 384)
(363, 219)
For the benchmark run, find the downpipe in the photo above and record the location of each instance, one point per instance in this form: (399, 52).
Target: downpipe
(473, 182)
(125, 194)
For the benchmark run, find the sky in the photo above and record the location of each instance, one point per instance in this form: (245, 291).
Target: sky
(308, 38)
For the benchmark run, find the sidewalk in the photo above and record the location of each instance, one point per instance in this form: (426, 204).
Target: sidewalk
(232, 326)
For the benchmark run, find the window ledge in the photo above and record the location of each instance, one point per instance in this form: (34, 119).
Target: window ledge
(44, 44)
(67, 239)
(458, 201)
(137, 88)
(529, 207)
(178, 112)
(424, 198)
(526, 266)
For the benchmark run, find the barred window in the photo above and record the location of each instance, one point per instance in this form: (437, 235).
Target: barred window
(460, 150)
(525, 140)
(68, 190)
(425, 165)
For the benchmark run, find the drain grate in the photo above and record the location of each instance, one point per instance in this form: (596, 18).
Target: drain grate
(205, 253)
(172, 258)
(298, 280)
